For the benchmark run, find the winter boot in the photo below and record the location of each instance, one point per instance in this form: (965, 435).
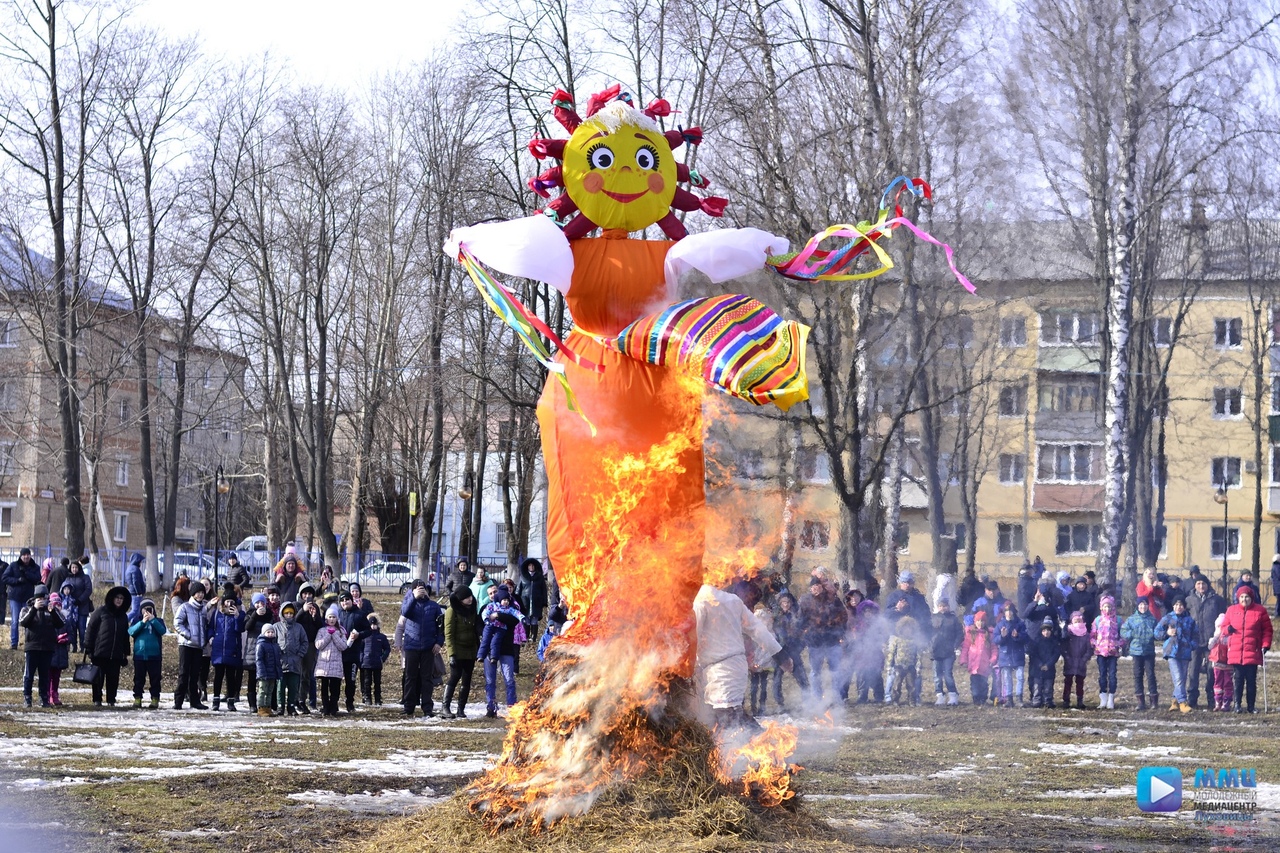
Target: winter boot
(303, 709)
(1153, 701)
(1102, 701)
(26, 700)
(1184, 707)
(265, 712)
(953, 699)
(1142, 702)
(137, 704)
(1111, 701)
(231, 705)
(940, 700)
(1174, 706)
(217, 703)
(462, 711)
(155, 705)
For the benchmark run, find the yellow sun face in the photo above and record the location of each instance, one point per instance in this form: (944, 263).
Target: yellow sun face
(619, 170)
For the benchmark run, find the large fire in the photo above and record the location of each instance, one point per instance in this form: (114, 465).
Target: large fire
(609, 701)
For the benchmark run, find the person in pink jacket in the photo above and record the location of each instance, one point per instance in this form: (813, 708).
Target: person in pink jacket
(1107, 645)
(1248, 632)
(331, 642)
(978, 655)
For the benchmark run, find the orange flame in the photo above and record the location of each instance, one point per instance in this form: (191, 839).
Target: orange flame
(760, 765)
(596, 716)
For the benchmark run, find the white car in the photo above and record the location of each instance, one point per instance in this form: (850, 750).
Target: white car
(189, 563)
(386, 574)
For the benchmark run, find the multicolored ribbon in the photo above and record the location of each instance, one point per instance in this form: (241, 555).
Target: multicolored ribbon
(740, 346)
(527, 326)
(813, 263)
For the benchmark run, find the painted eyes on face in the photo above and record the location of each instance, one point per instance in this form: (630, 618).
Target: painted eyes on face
(600, 157)
(647, 158)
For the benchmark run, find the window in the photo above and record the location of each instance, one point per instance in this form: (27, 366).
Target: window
(6, 518)
(1013, 468)
(506, 429)
(1009, 538)
(751, 464)
(1068, 395)
(186, 517)
(1232, 537)
(1225, 472)
(1275, 393)
(1228, 332)
(1227, 403)
(958, 531)
(500, 537)
(1013, 401)
(124, 411)
(1275, 466)
(1069, 463)
(1162, 331)
(963, 336)
(815, 536)
(8, 395)
(8, 458)
(815, 465)
(207, 379)
(8, 333)
(1079, 538)
(1060, 328)
(122, 472)
(1013, 331)
(122, 526)
(1160, 472)
(902, 537)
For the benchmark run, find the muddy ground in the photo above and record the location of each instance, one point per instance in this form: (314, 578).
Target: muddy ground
(896, 778)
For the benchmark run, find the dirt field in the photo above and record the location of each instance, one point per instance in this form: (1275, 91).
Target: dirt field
(881, 777)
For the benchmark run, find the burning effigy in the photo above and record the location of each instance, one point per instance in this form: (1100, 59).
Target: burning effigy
(621, 419)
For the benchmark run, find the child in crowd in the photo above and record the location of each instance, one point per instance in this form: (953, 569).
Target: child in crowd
(555, 623)
(1139, 631)
(267, 662)
(259, 615)
(1105, 637)
(1178, 631)
(869, 635)
(292, 638)
(1044, 651)
(273, 601)
(71, 612)
(902, 656)
(227, 650)
(1077, 648)
(1011, 654)
(978, 656)
(61, 654)
(760, 666)
(1222, 683)
(331, 642)
(148, 652)
(495, 632)
(373, 654)
(948, 635)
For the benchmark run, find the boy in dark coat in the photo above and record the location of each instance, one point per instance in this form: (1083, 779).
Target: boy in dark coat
(377, 648)
(1045, 649)
(43, 625)
(948, 634)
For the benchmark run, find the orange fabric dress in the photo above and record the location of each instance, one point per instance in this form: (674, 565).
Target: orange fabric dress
(602, 515)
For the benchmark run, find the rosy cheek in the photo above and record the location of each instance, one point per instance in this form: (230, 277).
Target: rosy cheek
(656, 183)
(593, 182)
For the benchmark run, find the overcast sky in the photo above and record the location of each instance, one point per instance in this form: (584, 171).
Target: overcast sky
(338, 43)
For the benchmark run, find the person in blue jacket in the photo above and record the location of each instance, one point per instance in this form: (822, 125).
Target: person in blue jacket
(1011, 654)
(377, 648)
(1139, 631)
(421, 640)
(1177, 631)
(148, 652)
(21, 578)
(136, 583)
(226, 628)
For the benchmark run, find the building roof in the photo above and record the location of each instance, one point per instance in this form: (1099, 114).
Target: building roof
(19, 264)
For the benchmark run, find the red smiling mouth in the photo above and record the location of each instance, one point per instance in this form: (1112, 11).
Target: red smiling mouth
(624, 198)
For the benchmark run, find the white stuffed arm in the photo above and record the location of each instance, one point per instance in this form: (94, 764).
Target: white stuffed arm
(722, 255)
(533, 247)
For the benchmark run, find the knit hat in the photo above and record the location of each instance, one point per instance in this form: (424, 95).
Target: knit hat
(1107, 601)
(268, 630)
(55, 600)
(146, 602)
(40, 591)
(287, 607)
(333, 611)
(503, 594)
(1048, 623)
(258, 598)
(25, 552)
(907, 577)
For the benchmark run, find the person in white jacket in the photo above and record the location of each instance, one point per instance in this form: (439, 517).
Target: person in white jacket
(725, 627)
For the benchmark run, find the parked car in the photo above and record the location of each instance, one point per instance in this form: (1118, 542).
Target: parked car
(385, 574)
(189, 563)
(253, 553)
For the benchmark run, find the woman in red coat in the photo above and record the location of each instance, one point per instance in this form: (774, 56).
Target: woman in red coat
(1248, 630)
(1151, 588)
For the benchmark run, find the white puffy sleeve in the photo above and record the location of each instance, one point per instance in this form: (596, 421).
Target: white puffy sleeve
(533, 247)
(722, 255)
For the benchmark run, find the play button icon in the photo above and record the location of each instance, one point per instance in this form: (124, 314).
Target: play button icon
(1159, 789)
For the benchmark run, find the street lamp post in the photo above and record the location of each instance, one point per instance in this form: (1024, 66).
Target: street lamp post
(1220, 497)
(220, 488)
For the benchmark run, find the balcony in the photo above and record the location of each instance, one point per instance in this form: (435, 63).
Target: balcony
(1067, 497)
(1069, 359)
(1068, 426)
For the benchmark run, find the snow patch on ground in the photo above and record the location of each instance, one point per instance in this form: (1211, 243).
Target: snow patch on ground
(384, 802)
(1086, 795)
(199, 832)
(40, 784)
(1102, 751)
(955, 772)
(869, 798)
